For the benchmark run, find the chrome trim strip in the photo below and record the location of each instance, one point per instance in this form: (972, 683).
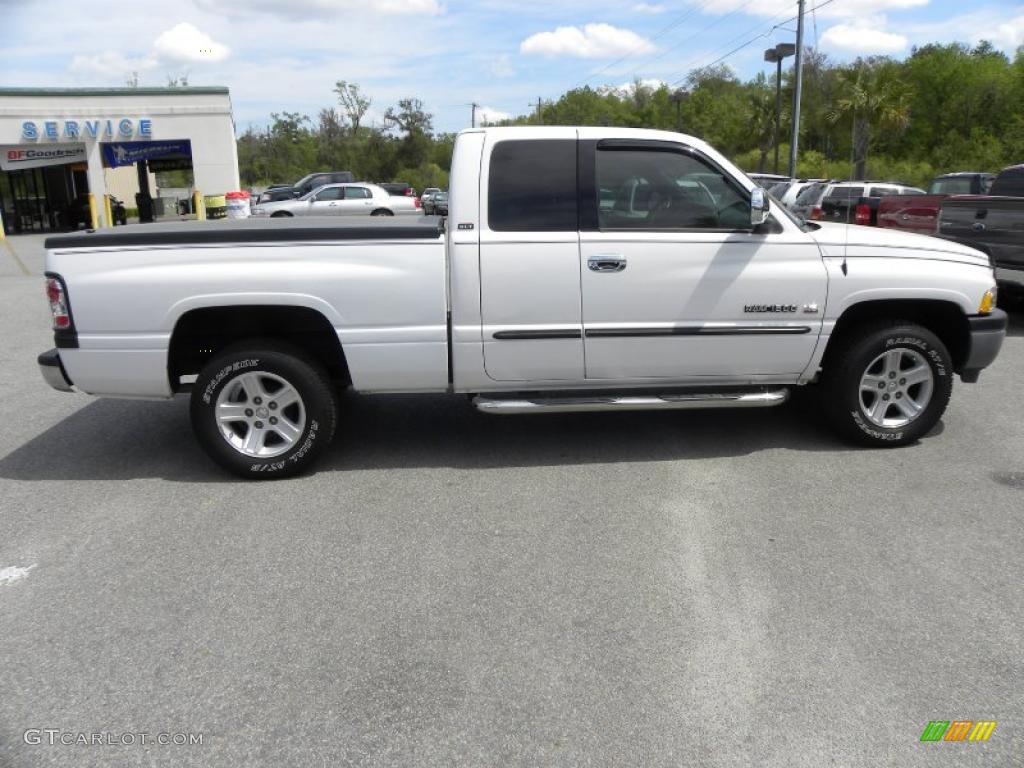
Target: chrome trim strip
(738, 330)
(503, 406)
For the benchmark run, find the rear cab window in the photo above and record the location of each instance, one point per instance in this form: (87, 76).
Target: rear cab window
(532, 186)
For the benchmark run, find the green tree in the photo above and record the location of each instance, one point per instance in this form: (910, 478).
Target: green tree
(871, 100)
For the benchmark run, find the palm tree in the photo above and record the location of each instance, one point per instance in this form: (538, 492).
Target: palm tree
(872, 100)
(762, 124)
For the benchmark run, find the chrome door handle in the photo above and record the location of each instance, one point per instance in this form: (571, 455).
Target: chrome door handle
(607, 263)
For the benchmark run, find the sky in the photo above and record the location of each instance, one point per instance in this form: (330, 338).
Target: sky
(504, 55)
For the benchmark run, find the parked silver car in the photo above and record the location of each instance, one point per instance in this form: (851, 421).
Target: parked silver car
(342, 200)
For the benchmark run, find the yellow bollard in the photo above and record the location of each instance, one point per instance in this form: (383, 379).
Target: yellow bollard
(197, 206)
(3, 232)
(108, 209)
(93, 213)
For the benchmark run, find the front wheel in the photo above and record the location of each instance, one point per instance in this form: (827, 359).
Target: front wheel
(888, 385)
(382, 212)
(263, 411)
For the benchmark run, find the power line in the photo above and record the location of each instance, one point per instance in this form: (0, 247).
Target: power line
(695, 35)
(661, 33)
(748, 43)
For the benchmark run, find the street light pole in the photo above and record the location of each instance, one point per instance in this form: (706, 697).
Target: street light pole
(777, 54)
(797, 89)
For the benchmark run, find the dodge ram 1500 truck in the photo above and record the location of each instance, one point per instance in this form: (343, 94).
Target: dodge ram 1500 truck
(580, 269)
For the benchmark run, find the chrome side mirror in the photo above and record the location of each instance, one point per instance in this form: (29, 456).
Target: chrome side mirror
(758, 207)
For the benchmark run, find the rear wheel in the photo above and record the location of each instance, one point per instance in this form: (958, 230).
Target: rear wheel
(263, 410)
(888, 385)
(382, 212)
(280, 215)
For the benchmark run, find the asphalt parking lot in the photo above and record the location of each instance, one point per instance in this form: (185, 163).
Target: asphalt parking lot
(713, 589)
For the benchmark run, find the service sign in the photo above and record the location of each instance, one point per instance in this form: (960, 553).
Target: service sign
(13, 158)
(109, 128)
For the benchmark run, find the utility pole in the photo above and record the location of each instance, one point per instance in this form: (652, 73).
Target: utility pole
(540, 103)
(797, 90)
(474, 105)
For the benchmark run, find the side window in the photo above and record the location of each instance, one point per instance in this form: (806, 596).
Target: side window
(331, 193)
(357, 193)
(532, 186)
(666, 190)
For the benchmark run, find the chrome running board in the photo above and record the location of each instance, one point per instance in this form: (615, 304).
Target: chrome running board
(554, 404)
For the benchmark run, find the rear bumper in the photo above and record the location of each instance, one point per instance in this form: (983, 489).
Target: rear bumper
(985, 340)
(53, 371)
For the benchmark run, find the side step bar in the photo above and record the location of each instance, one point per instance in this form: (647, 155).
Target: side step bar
(541, 404)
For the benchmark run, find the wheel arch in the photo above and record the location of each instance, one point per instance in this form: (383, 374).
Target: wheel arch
(201, 332)
(945, 318)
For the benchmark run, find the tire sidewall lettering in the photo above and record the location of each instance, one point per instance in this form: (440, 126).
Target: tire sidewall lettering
(223, 373)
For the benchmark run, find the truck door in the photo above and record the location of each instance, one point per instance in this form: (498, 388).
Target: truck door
(531, 321)
(675, 282)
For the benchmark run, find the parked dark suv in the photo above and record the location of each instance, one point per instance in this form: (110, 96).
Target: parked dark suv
(314, 180)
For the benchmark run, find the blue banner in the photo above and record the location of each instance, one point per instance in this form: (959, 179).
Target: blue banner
(121, 153)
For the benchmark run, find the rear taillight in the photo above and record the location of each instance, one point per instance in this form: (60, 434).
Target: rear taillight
(58, 304)
(862, 215)
(816, 213)
(417, 202)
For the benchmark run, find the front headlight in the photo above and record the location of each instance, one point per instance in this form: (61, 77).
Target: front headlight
(988, 302)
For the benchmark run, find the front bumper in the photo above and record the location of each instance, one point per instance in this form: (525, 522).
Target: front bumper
(986, 334)
(53, 371)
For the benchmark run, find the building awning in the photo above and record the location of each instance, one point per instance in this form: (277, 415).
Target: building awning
(118, 153)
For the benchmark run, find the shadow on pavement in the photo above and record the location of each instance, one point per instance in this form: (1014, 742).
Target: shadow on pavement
(126, 439)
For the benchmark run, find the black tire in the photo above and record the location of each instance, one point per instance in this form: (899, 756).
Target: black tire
(280, 215)
(272, 363)
(382, 212)
(849, 407)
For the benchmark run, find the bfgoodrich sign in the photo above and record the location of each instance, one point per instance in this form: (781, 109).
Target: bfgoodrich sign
(14, 158)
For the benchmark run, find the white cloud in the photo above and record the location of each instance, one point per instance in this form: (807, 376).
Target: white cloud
(862, 37)
(627, 89)
(1007, 35)
(593, 41)
(304, 9)
(101, 66)
(502, 66)
(180, 45)
(184, 44)
(652, 8)
(489, 115)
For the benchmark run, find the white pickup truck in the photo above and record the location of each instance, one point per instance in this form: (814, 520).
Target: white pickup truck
(580, 269)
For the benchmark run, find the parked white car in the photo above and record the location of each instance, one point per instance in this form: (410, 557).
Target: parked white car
(342, 200)
(581, 269)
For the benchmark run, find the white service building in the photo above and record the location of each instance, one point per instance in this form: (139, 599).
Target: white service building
(58, 145)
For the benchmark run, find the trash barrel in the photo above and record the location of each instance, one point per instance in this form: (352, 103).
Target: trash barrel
(237, 204)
